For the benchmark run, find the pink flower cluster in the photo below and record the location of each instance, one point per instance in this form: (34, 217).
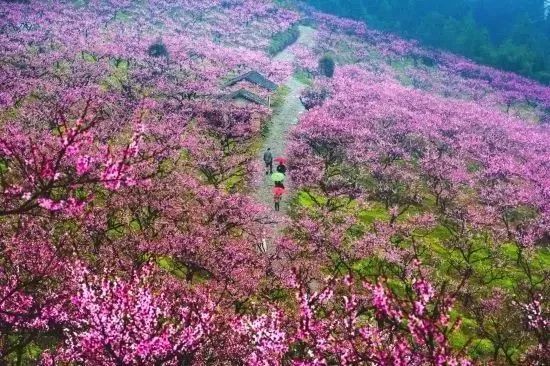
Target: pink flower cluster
(114, 321)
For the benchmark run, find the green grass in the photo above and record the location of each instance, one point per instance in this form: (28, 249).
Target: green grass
(304, 77)
(88, 56)
(80, 3)
(123, 16)
(29, 355)
(524, 111)
(180, 270)
(118, 76)
(307, 200)
(493, 265)
(482, 348)
(279, 98)
(172, 267)
(376, 213)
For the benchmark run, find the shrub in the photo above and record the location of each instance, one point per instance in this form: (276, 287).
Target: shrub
(313, 97)
(283, 39)
(157, 49)
(326, 66)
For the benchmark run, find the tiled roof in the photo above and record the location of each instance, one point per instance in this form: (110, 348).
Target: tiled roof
(255, 78)
(245, 94)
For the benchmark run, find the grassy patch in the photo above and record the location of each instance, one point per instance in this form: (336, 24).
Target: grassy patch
(88, 56)
(80, 3)
(304, 77)
(524, 111)
(123, 16)
(376, 213)
(171, 266)
(118, 76)
(180, 270)
(3, 167)
(28, 355)
(278, 99)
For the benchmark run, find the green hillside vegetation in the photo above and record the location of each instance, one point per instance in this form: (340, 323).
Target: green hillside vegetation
(510, 35)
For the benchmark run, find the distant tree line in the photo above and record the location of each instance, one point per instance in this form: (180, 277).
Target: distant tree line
(513, 35)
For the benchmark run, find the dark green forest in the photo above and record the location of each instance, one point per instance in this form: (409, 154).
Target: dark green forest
(513, 35)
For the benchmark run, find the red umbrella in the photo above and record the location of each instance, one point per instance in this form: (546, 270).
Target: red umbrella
(280, 159)
(278, 191)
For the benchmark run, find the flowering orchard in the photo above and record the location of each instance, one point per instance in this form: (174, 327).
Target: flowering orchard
(128, 231)
(438, 72)
(389, 174)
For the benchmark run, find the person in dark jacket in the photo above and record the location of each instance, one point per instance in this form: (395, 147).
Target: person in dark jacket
(268, 160)
(281, 168)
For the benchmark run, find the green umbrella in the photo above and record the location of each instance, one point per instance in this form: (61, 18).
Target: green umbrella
(277, 177)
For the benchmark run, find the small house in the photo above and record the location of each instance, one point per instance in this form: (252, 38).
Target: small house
(256, 78)
(253, 79)
(245, 96)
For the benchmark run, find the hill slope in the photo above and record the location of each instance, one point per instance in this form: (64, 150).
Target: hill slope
(508, 34)
(134, 213)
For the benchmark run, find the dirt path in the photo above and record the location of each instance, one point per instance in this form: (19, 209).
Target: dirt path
(282, 121)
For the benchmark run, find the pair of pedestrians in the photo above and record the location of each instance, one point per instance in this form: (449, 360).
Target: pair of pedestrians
(268, 160)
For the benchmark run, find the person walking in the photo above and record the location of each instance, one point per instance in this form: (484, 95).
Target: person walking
(278, 179)
(277, 196)
(268, 160)
(277, 200)
(281, 168)
(280, 184)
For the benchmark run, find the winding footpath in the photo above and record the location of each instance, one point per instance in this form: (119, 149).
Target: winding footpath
(282, 121)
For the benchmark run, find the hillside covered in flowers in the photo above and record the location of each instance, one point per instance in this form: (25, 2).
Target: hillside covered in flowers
(135, 227)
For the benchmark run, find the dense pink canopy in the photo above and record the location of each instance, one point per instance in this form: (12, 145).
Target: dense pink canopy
(128, 231)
